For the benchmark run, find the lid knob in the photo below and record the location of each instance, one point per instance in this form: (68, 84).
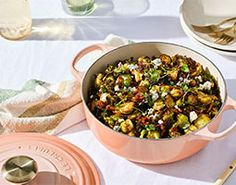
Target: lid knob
(19, 169)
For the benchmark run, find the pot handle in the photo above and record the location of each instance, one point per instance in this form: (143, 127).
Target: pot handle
(79, 74)
(206, 134)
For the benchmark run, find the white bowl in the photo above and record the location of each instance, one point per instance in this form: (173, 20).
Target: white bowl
(205, 12)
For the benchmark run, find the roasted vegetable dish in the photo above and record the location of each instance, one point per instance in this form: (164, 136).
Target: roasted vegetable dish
(155, 97)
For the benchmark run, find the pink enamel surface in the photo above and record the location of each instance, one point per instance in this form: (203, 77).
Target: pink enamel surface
(145, 150)
(148, 151)
(56, 159)
(102, 47)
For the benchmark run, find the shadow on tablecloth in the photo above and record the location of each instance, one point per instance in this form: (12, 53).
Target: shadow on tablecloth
(97, 28)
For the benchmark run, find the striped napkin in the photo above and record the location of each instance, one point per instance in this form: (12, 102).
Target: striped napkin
(40, 107)
(43, 107)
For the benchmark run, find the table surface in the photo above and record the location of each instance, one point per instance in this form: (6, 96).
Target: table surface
(47, 54)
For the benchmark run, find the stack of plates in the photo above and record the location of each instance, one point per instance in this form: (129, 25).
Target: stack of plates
(206, 12)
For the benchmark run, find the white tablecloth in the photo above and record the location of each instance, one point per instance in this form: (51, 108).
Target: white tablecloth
(47, 57)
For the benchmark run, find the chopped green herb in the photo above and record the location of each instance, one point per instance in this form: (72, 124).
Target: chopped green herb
(150, 127)
(185, 68)
(185, 87)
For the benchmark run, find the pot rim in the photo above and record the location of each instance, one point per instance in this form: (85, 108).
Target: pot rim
(161, 139)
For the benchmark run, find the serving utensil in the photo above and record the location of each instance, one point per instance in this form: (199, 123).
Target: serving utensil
(212, 27)
(229, 170)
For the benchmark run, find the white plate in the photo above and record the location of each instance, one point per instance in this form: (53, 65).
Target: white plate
(204, 12)
(222, 52)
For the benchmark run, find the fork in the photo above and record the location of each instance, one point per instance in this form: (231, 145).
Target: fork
(225, 37)
(211, 28)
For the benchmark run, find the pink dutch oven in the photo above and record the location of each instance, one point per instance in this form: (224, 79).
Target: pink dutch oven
(149, 150)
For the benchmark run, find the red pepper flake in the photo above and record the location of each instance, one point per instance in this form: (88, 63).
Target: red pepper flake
(100, 104)
(138, 97)
(110, 108)
(119, 80)
(144, 120)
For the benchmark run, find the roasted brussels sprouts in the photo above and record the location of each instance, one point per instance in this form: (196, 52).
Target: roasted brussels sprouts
(126, 108)
(204, 98)
(192, 99)
(174, 74)
(198, 70)
(176, 92)
(182, 121)
(126, 126)
(137, 75)
(202, 120)
(155, 97)
(166, 60)
(169, 102)
(98, 81)
(158, 105)
(155, 89)
(153, 135)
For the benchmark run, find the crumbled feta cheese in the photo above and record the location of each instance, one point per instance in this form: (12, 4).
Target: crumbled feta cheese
(121, 120)
(160, 122)
(125, 88)
(132, 89)
(181, 78)
(164, 94)
(150, 111)
(156, 62)
(155, 96)
(199, 78)
(116, 128)
(193, 116)
(103, 97)
(91, 96)
(116, 88)
(132, 67)
(154, 116)
(187, 81)
(207, 86)
(152, 91)
(176, 107)
(178, 83)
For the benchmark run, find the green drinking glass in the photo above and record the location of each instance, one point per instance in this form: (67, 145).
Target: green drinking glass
(78, 7)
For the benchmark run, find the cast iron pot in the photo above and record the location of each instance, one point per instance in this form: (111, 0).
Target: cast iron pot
(149, 150)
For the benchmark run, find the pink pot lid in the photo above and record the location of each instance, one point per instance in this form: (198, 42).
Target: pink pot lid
(58, 162)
